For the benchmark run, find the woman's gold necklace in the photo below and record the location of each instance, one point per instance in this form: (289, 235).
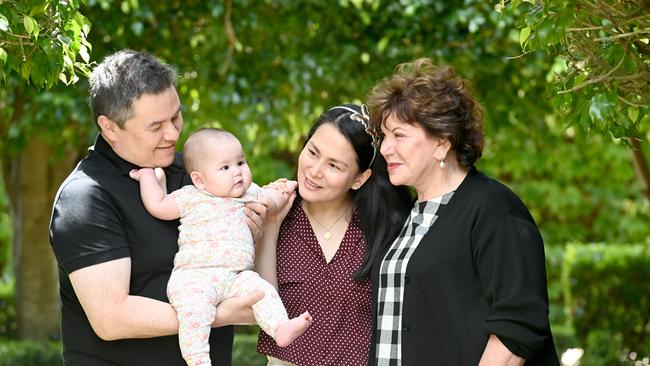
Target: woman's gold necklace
(328, 230)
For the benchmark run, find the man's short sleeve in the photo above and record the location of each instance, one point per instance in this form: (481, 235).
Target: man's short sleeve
(86, 227)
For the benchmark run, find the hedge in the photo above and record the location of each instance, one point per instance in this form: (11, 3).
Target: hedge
(606, 290)
(28, 353)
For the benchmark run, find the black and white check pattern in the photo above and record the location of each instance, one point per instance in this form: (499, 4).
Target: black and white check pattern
(391, 279)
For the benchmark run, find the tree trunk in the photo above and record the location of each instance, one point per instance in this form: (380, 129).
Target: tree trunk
(31, 185)
(641, 166)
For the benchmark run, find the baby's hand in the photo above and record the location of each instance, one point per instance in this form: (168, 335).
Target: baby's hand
(278, 197)
(283, 185)
(137, 174)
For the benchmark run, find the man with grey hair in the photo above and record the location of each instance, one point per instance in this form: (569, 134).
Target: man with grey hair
(114, 258)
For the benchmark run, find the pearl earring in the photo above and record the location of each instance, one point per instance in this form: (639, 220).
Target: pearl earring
(442, 164)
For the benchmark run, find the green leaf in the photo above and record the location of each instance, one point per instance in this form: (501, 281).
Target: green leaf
(37, 77)
(602, 107)
(523, 36)
(25, 70)
(30, 24)
(644, 123)
(382, 44)
(4, 24)
(38, 8)
(83, 52)
(3, 56)
(633, 113)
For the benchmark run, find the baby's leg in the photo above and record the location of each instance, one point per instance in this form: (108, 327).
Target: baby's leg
(194, 300)
(269, 311)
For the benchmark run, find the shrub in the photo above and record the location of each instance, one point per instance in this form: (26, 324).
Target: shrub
(8, 323)
(607, 289)
(603, 349)
(554, 258)
(244, 351)
(29, 353)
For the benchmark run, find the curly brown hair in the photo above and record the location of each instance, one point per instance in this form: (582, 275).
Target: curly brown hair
(433, 97)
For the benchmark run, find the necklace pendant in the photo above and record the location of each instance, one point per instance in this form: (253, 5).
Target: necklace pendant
(327, 235)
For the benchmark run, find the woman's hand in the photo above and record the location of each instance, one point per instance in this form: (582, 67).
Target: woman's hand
(255, 213)
(237, 310)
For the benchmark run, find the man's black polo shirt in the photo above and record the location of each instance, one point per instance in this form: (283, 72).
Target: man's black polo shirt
(98, 216)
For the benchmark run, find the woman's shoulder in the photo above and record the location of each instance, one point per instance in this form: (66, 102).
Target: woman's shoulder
(491, 195)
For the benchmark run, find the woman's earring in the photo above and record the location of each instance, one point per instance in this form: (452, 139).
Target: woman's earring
(442, 164)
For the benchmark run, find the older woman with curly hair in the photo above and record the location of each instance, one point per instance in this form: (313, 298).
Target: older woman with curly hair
(465, 282)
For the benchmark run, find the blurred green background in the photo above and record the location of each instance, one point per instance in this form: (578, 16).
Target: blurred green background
(564, 84)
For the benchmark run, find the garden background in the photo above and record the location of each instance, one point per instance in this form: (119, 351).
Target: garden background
(565, 84)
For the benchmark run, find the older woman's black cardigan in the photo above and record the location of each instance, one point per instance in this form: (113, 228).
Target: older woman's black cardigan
(478, 271)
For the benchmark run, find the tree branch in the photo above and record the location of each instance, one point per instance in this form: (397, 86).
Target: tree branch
(622, 35)
(595, 80)
(14, 43)
(630, 103)
(233, 42)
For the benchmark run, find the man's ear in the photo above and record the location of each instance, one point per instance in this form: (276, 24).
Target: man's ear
(108, 128)
(197, 180)
(362, 179)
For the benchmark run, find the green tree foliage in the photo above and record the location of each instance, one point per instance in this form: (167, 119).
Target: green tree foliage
(266, 69)
(43, 46)
(42, 40)
(601, 74)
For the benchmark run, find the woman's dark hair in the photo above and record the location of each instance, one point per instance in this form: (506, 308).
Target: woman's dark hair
(435, 98)
(382, 207)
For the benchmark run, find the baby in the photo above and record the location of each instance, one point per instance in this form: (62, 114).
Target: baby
(216, 252)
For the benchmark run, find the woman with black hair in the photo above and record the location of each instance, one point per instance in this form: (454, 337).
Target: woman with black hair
(319, 250)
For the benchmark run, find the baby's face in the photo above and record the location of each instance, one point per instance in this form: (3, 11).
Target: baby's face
(224, 170)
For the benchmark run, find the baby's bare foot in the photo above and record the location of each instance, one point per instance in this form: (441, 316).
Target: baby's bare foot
(288, 331)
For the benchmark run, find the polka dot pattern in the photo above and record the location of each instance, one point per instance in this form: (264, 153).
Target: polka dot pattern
(341, 331)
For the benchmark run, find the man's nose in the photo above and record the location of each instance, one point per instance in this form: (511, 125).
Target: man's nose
(171, 132)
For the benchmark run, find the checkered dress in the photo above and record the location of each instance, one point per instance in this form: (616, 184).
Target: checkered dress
(391, 279)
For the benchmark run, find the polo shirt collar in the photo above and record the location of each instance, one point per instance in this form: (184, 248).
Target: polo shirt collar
(102, 147)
